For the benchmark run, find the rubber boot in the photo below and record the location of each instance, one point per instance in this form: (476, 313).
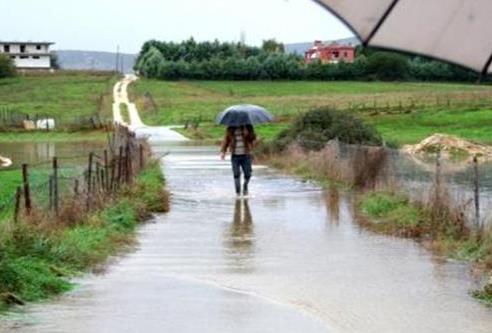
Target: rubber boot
(245, 187)
(237, 183)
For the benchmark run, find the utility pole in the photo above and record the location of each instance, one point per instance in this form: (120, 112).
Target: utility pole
(117, 67)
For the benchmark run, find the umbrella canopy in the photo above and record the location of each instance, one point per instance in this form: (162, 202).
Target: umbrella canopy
(245, 114)
(457, 31)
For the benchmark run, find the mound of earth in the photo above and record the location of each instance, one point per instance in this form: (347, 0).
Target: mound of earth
(450, 147)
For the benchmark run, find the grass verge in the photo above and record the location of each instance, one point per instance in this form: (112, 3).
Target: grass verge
(38, 259)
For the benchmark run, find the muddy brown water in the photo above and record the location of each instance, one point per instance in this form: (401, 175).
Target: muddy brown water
(290, 259)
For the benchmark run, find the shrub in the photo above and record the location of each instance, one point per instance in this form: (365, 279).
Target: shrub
(7, 67)
(315, 128)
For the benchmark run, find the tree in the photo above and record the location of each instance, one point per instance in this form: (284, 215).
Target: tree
(7, 66)
(272, 46)
(151, 63)
(387, 66)
(54, 63)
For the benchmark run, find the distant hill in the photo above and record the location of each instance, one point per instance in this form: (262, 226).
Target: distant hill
(87, 60)
(301, 48)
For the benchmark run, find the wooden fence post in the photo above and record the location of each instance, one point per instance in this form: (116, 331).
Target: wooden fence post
(97, 179)
(476, 192)
(113, 169)
(50, 185)
(128, 160)
(27, 191)
(438, 178)
(89, 172)
(106, 171)
(89, 179)
(102, 181)
(76, 188)
(141, 153)
(18, 195)
(120, 166)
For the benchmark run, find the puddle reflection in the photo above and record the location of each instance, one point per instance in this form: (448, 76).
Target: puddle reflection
(240, 239)
(333, 204)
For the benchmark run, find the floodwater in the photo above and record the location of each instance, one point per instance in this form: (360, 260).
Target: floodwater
(290, 259)
(43, 152)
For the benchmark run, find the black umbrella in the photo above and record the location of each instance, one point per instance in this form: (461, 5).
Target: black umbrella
(246, 114)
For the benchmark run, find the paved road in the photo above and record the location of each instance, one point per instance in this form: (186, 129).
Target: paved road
(120, 93)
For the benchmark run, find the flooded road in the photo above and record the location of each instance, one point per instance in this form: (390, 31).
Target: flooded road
(290, 259)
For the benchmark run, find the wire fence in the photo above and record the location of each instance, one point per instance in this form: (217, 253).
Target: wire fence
(62, 185)
(464, 185)
(13, 118)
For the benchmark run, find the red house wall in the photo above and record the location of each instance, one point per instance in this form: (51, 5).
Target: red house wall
(327, 53)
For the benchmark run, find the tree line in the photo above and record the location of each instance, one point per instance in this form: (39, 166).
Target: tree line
(235, 61)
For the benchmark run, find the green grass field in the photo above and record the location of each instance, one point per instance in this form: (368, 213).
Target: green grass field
(65, 96)
(402, 112)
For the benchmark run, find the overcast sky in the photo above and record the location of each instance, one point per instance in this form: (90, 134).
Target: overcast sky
(103, 24)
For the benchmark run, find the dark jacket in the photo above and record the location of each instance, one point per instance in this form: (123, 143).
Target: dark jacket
(229, 142)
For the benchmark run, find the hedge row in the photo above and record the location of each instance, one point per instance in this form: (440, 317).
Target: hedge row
(228, 61)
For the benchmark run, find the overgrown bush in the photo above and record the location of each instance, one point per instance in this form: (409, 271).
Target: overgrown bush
(315, 128)
(7, 67)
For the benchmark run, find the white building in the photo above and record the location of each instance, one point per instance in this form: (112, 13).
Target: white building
(28, 55)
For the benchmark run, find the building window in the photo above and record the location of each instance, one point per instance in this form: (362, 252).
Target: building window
(24, 57)
(38, 47)
(345, 54)
(336, 54)
(35, 57)
(22, 48)
(6, 48)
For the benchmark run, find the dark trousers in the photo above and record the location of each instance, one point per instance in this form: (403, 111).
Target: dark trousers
(244, 163)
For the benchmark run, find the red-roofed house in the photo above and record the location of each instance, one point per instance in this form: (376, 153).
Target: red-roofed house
(330, 53)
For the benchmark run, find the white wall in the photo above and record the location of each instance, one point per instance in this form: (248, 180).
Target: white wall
(30, 62)
(27, 59)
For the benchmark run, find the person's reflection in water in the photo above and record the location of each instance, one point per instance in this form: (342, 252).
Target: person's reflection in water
(239, 239)
(333, 204)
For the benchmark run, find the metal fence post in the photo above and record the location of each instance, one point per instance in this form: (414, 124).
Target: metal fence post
(55, 185)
